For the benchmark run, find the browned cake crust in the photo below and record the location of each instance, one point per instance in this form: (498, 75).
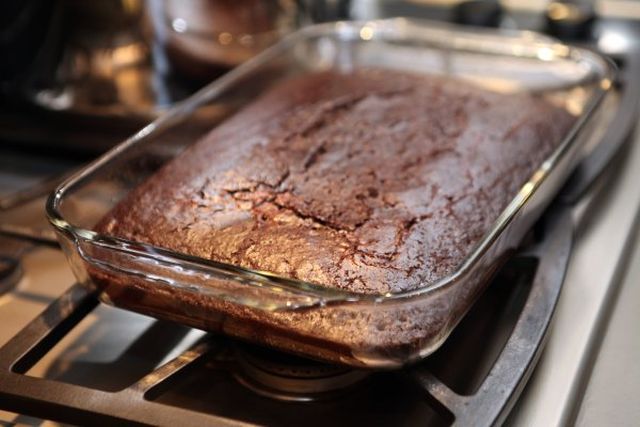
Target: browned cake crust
(372, 181)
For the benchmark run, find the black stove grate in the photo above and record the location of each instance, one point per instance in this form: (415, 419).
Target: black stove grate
(146, 401)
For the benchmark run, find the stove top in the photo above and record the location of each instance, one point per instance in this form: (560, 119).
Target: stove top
(85, 362)
(117, 357)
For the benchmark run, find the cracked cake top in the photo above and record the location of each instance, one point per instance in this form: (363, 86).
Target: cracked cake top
(372, 181)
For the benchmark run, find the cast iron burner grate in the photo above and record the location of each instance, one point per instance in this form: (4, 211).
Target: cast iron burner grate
(191, 388)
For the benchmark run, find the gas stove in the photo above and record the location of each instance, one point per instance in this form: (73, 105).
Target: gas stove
(65, 357)
(86, 363)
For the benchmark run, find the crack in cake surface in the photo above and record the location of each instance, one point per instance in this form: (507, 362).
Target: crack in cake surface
(372, 181)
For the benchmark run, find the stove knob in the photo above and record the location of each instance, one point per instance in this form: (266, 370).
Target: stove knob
(571, 20)
(480, 13)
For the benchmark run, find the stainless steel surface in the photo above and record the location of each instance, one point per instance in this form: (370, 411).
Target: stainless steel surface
(611, 397)
(205, 38)
(92, 73)
(289, 378)
(604, 237)
(103, 66)
(88, 60)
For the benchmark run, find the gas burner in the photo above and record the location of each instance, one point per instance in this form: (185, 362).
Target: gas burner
(290, 378)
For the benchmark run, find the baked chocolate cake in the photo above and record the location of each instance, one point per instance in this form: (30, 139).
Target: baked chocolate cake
(372, 181)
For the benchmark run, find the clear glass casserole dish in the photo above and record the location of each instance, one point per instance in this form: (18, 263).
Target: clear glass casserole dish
(306, 318)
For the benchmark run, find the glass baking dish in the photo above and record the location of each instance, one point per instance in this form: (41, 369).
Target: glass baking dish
(306, 318)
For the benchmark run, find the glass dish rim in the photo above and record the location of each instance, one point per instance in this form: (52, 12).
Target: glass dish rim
(348, 30)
